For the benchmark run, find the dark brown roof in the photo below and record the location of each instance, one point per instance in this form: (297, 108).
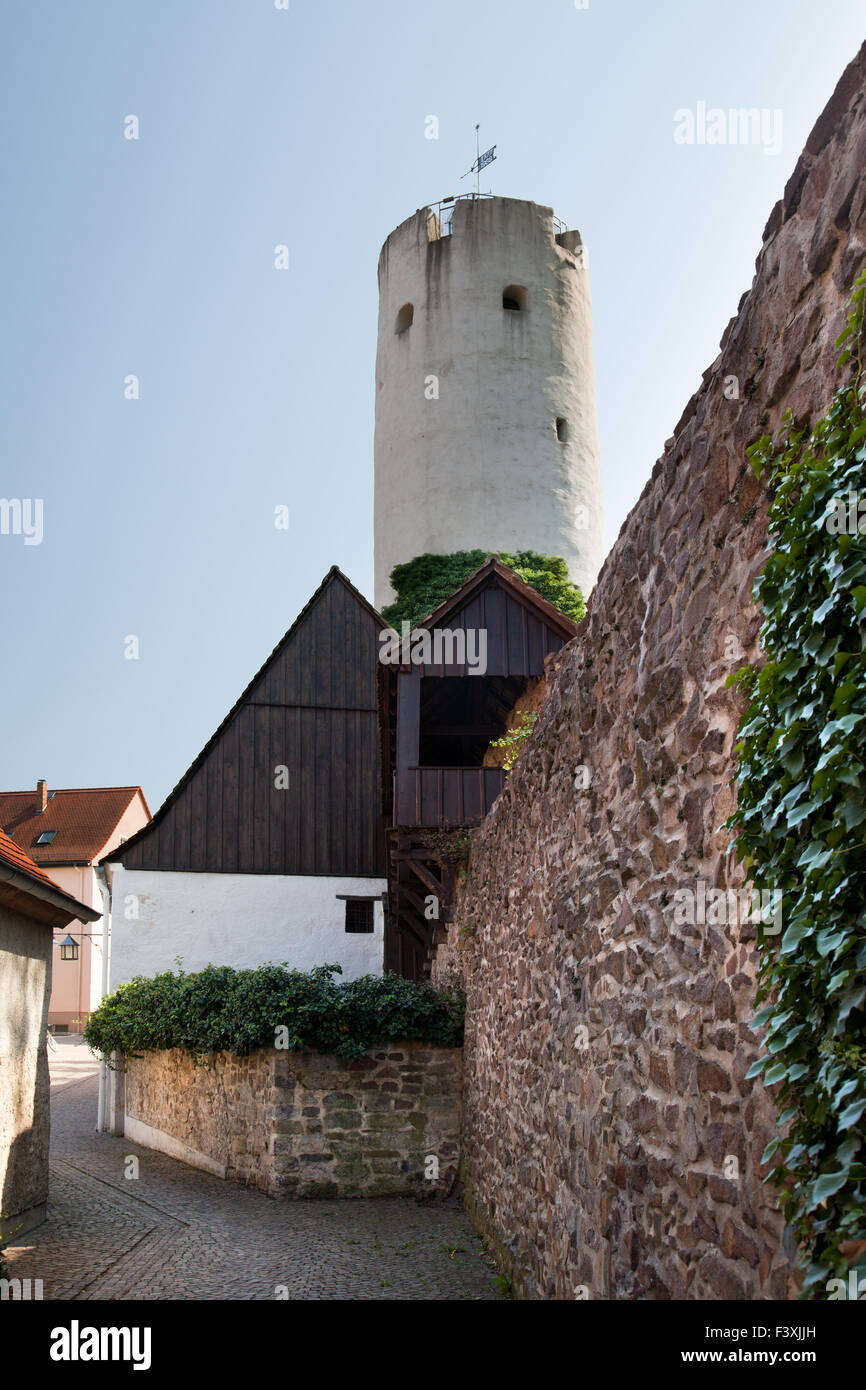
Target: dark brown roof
(54, 909)
(334, 575)
(83, 819)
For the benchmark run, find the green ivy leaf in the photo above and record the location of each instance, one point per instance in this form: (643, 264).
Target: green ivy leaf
(851, 1114)
(775, 1073)
(826, 1186)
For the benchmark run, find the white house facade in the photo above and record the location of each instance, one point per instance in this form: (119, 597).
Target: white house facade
(242, 920)
(271, 848)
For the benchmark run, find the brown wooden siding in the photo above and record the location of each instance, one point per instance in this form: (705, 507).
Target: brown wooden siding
(445, 795)
(518, 640)
(313, 708)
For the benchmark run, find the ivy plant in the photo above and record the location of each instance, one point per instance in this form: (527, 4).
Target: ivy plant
(422, 584)
(801, 817)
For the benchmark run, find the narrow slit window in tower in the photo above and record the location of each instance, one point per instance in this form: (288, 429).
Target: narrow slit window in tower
(514, 298)
(561, 429)
(405, 318)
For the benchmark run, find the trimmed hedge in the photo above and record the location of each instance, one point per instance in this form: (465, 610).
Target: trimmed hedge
(224, 1010)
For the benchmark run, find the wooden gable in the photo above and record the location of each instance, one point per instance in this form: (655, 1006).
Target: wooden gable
(312, 709)
(521, 628)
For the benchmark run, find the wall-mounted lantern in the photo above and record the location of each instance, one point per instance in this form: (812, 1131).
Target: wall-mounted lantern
(69, 948)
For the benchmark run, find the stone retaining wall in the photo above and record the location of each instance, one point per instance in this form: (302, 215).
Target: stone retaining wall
(301, 1124)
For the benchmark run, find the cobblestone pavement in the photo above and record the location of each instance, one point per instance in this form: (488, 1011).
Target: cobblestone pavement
(178, 1233)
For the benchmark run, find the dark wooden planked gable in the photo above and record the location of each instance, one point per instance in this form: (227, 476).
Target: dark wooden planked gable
(518, 638)
(522, 627)
(312, 708)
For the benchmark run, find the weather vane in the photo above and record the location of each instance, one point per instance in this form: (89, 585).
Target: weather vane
(481, 160)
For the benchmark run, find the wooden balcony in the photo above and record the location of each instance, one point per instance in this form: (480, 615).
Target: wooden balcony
(445, 795)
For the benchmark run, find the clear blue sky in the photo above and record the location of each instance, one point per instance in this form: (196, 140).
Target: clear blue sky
(155, 257)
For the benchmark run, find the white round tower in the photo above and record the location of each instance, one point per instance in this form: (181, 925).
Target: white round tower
(486, 434)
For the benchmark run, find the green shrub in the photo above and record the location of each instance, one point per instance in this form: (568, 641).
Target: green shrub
(221, 1009)
(422, 584)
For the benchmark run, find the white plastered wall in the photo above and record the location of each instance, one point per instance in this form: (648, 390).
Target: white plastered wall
(242, 920)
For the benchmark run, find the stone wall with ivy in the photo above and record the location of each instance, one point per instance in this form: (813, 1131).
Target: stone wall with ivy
(613, 1134)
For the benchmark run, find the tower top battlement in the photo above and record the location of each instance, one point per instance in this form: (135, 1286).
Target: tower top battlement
(479, 214)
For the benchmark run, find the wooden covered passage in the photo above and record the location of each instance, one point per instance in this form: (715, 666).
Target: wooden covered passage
(437, 722)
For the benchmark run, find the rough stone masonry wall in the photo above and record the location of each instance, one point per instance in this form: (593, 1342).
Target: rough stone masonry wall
(303, 1124)
(219, 1114)
(601, 1161)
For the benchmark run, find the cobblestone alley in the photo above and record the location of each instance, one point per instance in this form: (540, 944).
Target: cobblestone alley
(178, 1233)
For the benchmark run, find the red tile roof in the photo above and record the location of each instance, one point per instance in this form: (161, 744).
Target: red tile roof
(57, 910)
(16, 859)
(84, 819)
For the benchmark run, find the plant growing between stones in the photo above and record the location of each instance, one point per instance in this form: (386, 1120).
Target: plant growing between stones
(801, 820)
(514, 740)
(5, 1272)
(450, 846)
